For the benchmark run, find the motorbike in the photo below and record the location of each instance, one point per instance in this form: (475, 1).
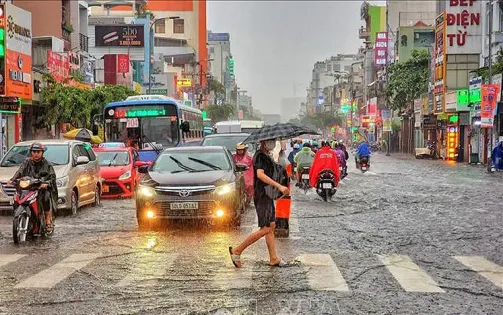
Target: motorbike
(344, 171)
(28, 218)
(364, 164)
(304, 179)
(326, 185)
(429, 152)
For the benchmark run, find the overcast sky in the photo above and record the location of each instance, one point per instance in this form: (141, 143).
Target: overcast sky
(276, 43)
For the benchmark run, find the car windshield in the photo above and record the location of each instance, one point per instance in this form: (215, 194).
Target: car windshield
(56, 154)
(113, 158)
(191, 161)
(227, 141)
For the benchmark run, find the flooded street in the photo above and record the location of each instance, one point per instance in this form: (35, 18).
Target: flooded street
(407, 237)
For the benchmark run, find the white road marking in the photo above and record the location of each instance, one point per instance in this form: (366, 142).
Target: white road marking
(7, 259)
(53, 275)
(483, 267)
(408, 274)
(322, 273)
(148, 268)
(229, 277)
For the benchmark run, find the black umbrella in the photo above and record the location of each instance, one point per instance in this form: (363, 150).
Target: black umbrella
(279, 132)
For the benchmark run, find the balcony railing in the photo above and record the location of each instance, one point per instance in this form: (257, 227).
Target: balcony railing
(83, 42)
(364, 33)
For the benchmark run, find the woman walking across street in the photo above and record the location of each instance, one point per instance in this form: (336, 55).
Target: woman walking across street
(263, 167)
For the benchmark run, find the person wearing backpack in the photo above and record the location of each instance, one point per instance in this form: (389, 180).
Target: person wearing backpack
(264, 189)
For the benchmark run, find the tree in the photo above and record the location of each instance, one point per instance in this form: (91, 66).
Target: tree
(220, 112)
(408, 80)
(218, 89)
(60, 103)
(497, 67)
(322, 120)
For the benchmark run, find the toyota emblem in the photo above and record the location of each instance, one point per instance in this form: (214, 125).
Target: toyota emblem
(184, 193)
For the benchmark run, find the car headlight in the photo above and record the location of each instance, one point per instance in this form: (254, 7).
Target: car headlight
(62, 182)
(125, 176)
(225, 189)
(24, 184)
(146, 191)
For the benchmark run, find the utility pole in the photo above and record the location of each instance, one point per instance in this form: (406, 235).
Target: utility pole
(490, 74)
(388, 144)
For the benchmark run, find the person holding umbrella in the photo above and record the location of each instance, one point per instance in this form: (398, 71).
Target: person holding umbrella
(263, 167)
(264, 170)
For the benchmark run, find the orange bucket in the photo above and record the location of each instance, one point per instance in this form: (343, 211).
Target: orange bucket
(283, 206)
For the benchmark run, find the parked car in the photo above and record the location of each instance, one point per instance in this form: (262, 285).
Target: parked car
(119, 170)
(228, 140)
(191, 183)
(76, 166)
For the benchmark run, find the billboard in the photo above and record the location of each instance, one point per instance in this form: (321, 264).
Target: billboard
(129, 35)
(58, 65)
(218, 37)
(18, 72)
(381, 48)
(464, 26)
(440, 64)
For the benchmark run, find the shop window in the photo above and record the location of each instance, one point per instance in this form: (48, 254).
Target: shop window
(403, 40)
(160, 27)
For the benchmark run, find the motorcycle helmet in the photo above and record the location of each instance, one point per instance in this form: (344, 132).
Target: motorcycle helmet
(37, 146)
(296, 146)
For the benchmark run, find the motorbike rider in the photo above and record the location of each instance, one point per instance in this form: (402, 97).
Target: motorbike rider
(362, 150)
(304, 158)
(315, 146)
(291, 156)
(36, 166)
(343, 148)
(342, 159)
(325, 159)
(242, 157)
(497, 155)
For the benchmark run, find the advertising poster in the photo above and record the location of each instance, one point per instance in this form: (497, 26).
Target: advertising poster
(488, 104)
(129, 35)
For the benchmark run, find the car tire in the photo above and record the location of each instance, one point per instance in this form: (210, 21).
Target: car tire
(97, 196)
(74, 203)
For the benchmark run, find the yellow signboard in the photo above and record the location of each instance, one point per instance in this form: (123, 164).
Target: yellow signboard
(184, 83)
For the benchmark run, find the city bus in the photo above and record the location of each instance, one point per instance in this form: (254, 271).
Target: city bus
(152, 123)
(250, 126)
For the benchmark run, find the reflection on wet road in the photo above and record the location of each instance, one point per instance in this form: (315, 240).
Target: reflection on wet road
(407, 237)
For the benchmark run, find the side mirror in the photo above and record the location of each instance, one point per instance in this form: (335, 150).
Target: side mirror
(139, 164)
(81, 160)
(241, 168)
(143, 169)
(185, 126)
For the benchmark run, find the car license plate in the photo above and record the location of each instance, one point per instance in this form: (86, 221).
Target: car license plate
(106, 188)
(340, 168)
(305, 176)
(327, 186)
(364, 168)
(184, 206)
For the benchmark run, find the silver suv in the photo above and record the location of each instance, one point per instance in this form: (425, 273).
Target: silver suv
(77, 171)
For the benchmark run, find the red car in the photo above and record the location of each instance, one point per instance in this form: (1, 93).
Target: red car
(118, 170)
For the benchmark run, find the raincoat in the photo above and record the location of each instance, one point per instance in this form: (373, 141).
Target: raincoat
(304, 158)
(247, 160)
(497, 156)
(341, 156)
(363, 150)
(292, 155)
(325, 159)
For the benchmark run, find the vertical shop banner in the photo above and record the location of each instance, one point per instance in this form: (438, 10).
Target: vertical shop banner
(18, 72)
(58, 65)
(386, 120)
(381, 48)
(122, 63)
(488, 105)
(439, 61)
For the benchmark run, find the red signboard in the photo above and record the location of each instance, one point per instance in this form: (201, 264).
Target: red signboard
(58, 66)
(488, 104)
(122, 63)
(365, 121)
(381, 48)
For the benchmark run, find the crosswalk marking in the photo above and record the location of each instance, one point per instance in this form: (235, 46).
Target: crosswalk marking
(322, 273)
(9, 258)
(483, 267)
(149, 267)
(51, 276)
(293, 224)
(234, 278)
(408, 274)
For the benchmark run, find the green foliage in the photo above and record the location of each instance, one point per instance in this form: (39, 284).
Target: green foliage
(497, 67)
(220, 112)
(408, 80)
(322, 120)
(66, 104)
(218, 89)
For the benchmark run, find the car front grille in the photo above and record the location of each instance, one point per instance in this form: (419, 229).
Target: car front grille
(113, 189)
(9, 190)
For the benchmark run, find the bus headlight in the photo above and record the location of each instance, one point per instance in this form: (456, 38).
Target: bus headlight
(145, 191)
(225, 189)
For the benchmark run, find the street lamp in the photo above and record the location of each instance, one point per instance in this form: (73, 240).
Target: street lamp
(152, 45)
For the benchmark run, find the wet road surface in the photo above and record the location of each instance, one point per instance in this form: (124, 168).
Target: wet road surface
(407, 237)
